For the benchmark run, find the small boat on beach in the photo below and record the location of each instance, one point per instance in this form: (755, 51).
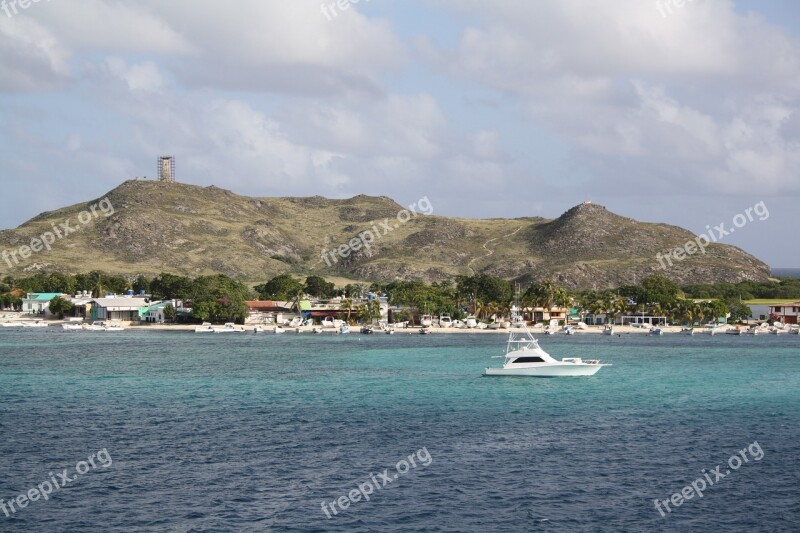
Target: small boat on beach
(206, 327)
(687, 331)
(608, 330)
(229, 327)
(734, 331)
(34, 324)
(426, 320)
(366, 330)
(524, 357)
(445, 321)
(277, 330)
(656, 331)
(316, 330)
(344, 330)
(72, 327)
(11, 324)
(424, 331)
(471, 322)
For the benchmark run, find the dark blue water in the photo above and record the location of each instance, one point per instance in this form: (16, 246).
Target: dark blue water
(246, 433)
(788, 272)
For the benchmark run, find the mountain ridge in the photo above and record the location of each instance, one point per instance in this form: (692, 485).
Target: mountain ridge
(192, 230)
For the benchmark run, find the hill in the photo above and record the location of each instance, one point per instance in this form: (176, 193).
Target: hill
(190, 230)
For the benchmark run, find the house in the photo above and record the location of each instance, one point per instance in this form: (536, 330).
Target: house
(123, 308)
(786, 312)
(542, 314)
(38, 303)
(266, 311)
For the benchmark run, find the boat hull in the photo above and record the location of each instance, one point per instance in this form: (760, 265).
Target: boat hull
(546, 371)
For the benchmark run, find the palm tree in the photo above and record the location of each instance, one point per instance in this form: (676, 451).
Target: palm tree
(347, 305)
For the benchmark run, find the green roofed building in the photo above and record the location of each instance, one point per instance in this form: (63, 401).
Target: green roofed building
(38, 303)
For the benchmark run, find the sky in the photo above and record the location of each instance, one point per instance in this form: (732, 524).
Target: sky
(686, 113)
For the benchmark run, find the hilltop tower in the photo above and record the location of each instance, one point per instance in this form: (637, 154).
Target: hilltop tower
(166, 168)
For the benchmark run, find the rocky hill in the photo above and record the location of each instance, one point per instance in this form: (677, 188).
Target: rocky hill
(190, 230)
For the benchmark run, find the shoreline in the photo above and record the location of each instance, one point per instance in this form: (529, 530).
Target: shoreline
(268, 329)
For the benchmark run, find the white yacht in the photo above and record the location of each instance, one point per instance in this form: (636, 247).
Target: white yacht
(524, 357)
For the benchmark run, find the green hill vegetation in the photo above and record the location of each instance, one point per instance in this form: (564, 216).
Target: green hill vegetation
(202, 231)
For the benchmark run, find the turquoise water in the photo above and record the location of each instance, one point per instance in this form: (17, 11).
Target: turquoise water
(253, 433)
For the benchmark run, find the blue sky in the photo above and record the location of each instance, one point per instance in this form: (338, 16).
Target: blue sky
(686, 115)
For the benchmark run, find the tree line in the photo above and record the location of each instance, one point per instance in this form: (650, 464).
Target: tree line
(219, 297)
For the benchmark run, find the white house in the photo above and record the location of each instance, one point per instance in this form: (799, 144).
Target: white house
(787, 313)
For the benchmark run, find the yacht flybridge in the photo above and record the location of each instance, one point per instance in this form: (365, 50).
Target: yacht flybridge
(524, 357)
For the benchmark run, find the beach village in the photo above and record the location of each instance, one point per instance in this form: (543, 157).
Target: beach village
(319, 307)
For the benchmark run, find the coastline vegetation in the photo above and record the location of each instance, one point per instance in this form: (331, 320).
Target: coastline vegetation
(219, 297)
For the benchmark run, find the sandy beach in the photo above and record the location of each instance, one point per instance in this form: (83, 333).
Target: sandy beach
(268, 329)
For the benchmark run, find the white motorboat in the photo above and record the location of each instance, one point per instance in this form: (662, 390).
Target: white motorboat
(495, 325)
(327, 322)
(549, 331)
(316, 330)
(687, 331)
(424, 331)
(72, 327)
(426, 321)
(277, 330)
(11, 324)
(734, 331)
(458, 324)
(445, 321)
(114, 327)
(367, 330)
(258, 329)
(36, 324)
(794, 331)
(206, 327)
(229, 327)
(471, 322)
(753, 331)
(656, 331)
(296, 322)
(775, 331)
(608, 330)
(344, 330)
(569, 330)
(524, 357)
